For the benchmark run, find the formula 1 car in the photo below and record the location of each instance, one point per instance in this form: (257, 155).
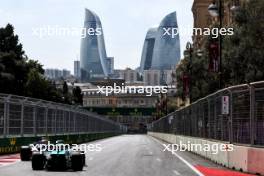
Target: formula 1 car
(58, 160)
(26, 151)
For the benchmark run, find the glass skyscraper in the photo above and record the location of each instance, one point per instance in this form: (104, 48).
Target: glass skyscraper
(161, 51)
(93, 58)
(148, 48)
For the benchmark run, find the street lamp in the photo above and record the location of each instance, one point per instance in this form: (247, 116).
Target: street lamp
(199, 53)
(216, 11)
(235, 6)
(213, 10)
(189, 53)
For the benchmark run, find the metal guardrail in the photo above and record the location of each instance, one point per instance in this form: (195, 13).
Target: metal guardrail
(244, 123)
(23, 116)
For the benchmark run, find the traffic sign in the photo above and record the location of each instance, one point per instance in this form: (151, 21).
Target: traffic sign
(225, 105)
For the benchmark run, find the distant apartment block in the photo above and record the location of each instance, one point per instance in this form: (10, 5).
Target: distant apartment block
(151, 77)
(77, 70)
(129, 75)
(158, 77)
(56, 73)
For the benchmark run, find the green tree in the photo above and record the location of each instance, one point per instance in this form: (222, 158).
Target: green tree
(242, 59)
(244, 51)
(77, 95)
(22, 76)
(67, 97)
(36, 85)
(13, 72)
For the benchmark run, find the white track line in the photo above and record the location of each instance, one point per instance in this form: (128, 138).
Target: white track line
(2, 164)
(7, 160)
(183, 160)
(176, 172)
(158, 159)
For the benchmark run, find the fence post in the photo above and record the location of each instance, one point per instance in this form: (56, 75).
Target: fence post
(6, 107)
(215, 118)
(74, 121)
(64, 121)
(209, 118)
(34, 121)
(22, 120)
(7, 116)
(252, 114)
(46, 120)
(231, 117)
(55, 121)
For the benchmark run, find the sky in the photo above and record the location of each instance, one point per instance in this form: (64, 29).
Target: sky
(124, 23)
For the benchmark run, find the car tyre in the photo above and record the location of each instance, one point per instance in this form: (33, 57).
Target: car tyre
(77, 162)
(38, 161)
(25, 153)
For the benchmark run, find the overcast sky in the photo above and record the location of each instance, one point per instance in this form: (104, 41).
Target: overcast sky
(124, 22)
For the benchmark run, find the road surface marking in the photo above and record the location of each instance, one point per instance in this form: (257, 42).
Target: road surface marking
(176, 172)
(9, 160)
(183, 160)
(158, 159)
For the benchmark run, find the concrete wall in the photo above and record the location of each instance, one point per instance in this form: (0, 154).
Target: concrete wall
(242, 158)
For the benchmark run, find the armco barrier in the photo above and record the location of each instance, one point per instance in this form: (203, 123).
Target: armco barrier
(12, 145)
(242, 158)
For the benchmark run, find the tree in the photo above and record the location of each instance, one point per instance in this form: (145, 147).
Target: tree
(67, 97)
(36, 85)
(13, 72)
(65, 88)
(77, 95)
(244, 51)
(22, 76)
(242, 59)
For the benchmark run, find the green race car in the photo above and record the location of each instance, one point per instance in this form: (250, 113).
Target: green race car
(60, 159)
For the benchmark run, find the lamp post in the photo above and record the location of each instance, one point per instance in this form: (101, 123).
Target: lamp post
(216, 11)
(189, 53)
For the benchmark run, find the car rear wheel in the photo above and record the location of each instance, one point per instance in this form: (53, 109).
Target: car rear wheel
(38, 161)
(77, 162)
(25, 153)
(83, 158)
